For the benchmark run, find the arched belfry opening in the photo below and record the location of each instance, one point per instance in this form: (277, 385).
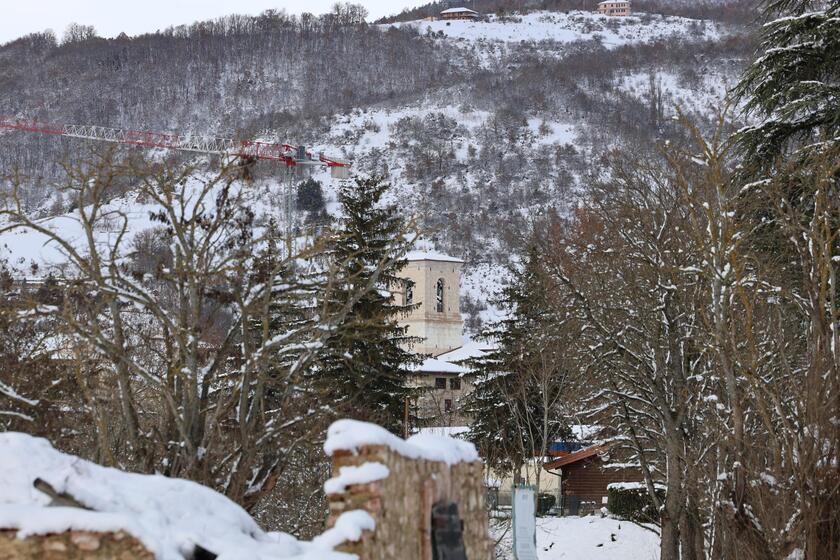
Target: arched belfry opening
(440, 288)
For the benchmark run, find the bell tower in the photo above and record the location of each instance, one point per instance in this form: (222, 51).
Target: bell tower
(436, 293)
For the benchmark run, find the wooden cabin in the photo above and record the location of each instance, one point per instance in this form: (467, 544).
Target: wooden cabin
(584, 477)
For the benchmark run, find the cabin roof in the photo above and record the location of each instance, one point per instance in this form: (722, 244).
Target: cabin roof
(576, 456)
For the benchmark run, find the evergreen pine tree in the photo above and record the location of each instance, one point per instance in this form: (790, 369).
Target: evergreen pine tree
(521, 382)
(369, 359)
(794, 86)
(310, 199)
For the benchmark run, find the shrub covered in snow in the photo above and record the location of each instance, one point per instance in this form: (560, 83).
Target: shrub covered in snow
(631, 500)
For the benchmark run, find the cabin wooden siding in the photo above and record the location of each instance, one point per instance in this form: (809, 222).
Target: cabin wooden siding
(586, 481)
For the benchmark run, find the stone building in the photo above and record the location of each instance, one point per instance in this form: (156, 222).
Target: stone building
(437, 320)
(436, 317)
(443, 386)
(459, 13)
(620, 8)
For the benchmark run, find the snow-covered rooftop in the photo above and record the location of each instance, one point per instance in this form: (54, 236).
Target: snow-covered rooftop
(459, 11)
(169, 516)
(431, 256)
(351, 435)
(434, 365)
(470, 349)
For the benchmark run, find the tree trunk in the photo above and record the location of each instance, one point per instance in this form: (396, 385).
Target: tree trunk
(691, 534)
(669, 547)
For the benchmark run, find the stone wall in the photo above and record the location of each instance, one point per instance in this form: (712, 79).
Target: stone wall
(401, 504)
(72, 545)
(429, 406)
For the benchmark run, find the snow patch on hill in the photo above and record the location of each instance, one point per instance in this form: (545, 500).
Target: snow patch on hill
(706, 96)
(570, 27)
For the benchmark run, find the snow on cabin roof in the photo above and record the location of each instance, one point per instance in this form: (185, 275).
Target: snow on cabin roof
(633, 486)
(350, 435)
(613, 2)
(431, 256)
(459, 11)
(169, 516)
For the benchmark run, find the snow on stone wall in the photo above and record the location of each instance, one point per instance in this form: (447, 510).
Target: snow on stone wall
(133, 516)
(380, 504)
(421, 472)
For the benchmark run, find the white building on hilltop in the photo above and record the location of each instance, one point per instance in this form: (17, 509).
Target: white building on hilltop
(459, 13)
(619, 8)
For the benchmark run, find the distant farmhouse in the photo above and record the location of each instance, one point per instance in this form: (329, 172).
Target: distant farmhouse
(459, 13)
(619, 8)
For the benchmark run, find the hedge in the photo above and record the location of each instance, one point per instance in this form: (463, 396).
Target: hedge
(633, 503)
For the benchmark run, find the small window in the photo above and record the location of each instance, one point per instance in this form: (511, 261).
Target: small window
(409, 295)
(454, 383)
(447, 405)
(439, 295)
(440, 383)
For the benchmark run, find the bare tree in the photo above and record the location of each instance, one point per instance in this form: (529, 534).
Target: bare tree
(205, 382)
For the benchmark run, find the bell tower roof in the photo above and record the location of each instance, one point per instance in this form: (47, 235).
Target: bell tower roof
(431, 256)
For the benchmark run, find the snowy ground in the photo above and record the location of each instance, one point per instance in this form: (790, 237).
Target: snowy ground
(705, 97)
(584, 538)
(570, 27)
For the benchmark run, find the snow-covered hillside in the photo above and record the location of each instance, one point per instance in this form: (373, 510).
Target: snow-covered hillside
(705, 95)
(26, 250)
(570, 27)
(509, 126)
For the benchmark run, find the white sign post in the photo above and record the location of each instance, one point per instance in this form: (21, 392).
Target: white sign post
(524, 523)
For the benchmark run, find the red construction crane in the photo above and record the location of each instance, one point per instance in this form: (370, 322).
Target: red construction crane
(291, 156)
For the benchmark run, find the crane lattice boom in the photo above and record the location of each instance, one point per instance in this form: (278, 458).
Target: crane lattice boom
(284, 153)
